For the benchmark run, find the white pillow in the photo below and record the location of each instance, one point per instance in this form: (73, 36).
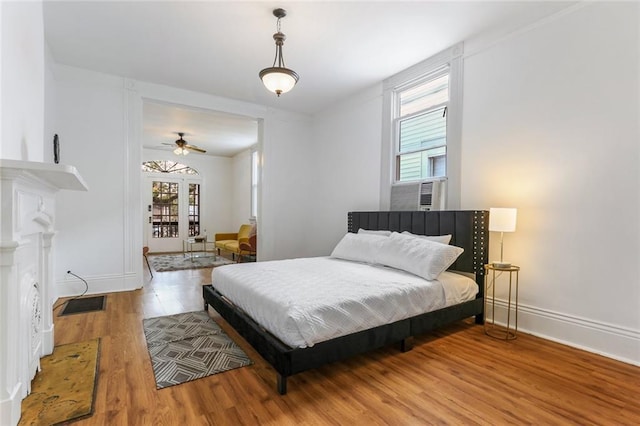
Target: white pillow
(444, 239)
(372, 232)
(358, 247)
(419, 256)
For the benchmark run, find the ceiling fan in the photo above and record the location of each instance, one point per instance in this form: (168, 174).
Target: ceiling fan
(183, 147)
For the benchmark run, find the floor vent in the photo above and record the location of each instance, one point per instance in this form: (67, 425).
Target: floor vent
(86, 304)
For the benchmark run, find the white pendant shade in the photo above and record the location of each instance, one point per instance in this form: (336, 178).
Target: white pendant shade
(278, 80)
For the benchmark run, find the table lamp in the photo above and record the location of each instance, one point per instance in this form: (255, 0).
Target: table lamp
(502, 220)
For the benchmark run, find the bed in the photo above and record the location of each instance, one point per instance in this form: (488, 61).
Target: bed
(289, 356)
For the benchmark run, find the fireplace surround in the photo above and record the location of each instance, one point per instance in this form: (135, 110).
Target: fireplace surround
(27, 293)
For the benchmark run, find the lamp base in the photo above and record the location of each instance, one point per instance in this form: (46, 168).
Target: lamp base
(501, 264)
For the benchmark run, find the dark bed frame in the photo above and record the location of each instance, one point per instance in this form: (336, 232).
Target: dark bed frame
(468, 230)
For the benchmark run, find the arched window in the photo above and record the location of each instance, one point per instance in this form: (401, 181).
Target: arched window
(167, 166)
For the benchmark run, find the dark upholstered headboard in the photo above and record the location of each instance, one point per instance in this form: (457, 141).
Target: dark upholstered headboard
(468, 229)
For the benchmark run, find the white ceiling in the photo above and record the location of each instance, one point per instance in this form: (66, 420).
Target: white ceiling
(218, 47)
(219, 133)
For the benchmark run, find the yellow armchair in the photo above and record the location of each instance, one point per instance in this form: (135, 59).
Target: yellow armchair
(248, 248)
(231, 241)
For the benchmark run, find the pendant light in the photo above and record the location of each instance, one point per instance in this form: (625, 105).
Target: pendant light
(278, 78)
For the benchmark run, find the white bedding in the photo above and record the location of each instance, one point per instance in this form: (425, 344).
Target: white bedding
(310, 300)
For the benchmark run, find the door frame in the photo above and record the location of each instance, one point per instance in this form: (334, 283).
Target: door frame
(168, 244)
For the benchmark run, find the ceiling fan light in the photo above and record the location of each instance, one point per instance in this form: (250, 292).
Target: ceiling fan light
(180, 151)
(278, 80)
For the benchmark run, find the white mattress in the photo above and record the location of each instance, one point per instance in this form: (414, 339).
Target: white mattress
(310, 300)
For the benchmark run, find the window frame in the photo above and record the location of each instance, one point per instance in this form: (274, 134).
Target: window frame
(452, 60)
(255, 174)
(184, 180)
(193, 209)
(166, 223)
(168, 166)
(399, 119)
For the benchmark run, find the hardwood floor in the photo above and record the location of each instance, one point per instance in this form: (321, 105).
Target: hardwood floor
(456, 375)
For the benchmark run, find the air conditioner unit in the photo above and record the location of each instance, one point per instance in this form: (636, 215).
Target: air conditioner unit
(423, 195)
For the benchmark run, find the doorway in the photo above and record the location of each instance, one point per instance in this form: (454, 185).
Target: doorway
(172, 211)
(224, 172)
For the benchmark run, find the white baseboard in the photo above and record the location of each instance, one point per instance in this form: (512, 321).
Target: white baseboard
(47, 341)
(98, 284)
(619, 343)
(10, 408)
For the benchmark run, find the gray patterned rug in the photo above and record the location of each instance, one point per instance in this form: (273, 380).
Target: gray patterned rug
(185, 347)
(178, 262)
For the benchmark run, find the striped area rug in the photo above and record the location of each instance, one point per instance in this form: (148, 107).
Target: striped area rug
(189, 346)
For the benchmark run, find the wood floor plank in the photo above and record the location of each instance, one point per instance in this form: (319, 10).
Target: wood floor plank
(455, 375)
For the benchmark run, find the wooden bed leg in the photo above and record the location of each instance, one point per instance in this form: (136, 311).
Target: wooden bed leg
(406, 344)
(282, 384)
(480, 319)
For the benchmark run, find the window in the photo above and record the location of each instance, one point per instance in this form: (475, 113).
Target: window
(420, 125)
(194, 209)
(163, 166)
(254, 184)
(171, 214)
(165, 209)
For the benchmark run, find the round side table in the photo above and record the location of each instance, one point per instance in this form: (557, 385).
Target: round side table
(508, 332)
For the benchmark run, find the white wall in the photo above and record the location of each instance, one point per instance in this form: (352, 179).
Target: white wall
(347, 160)
(22, 81)
(21, 138)
(240, 185)
(3, 36)
(89, 122)
(315, 172)
(216, 187)
(49, 106)
(551, 127)
(284, 226)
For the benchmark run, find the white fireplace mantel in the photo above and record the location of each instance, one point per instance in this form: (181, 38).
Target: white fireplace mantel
(58, 176)
(27, 227)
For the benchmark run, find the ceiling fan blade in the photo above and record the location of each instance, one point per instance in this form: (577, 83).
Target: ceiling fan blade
(169, 144)
(195, 148)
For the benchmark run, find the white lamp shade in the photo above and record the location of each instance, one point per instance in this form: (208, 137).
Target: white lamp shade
(276, 81)
(502, 219)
